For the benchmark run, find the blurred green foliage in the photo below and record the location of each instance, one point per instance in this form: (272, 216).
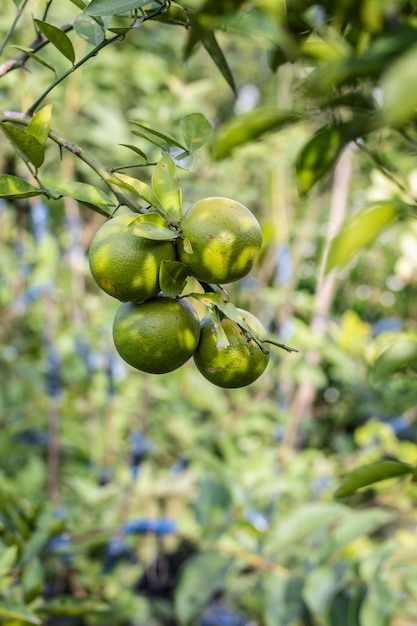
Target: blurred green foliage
(127, 499)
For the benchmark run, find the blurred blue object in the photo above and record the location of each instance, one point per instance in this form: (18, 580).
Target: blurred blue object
(33, 437)
(179, 466)
(156, 526)
(217, 614)
(386, 324)
(40, 220)
(140, 446)
(116, 550)
(257, 519)
(284, 264)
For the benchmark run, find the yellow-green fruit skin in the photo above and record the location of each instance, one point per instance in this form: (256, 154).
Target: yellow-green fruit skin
(237, 365)
(156, 336)
(226, 239)
(126, 266)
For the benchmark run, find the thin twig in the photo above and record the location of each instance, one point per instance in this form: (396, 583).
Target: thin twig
(13, 25)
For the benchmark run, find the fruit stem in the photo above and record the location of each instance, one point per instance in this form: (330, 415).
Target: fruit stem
(281, 345)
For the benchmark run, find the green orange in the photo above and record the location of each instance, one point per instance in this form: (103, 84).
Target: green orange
(124, 265)
(241, 362)
(225, 240)
(158, 335)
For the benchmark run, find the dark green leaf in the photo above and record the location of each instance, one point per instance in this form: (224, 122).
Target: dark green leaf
(362, 229)
(370, 474)
(89, 30)
(164, 184)
(17, 612)
(247, 128)
(35, 57)
(172, 277)
(40, 124)
(114, 7)
(196, 130)
(149, 226)
(30, 148)
(15, 187)
(399, 355)
(209, 42)
(58, 38)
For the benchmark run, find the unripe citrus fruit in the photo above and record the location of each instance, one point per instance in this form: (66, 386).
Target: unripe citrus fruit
(225, 238)
(241, 362)
(124, 265)
(157, 336)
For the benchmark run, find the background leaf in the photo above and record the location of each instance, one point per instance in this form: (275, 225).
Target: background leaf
(370, 474)
(58, 38)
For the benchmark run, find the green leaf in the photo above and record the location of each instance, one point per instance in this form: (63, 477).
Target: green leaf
(32, 580)
(221, 337)
(399, 355)
(137, 150)
(164, 184)
(201, 577)
(362, 229)
(35, 57)
(282, 601)
(229, 309)
(172, 277)
(249, 127)
(196, 130)
(149, 226)
(14, 187)
(370, 474)
(353, 525)
(85, 193)
(89, 30)
(137, 187)
(58, 39)
(40, 124)
(30, 148)
(7, 559)
(157, 137)
(114, 7)
(209, 42)
(399, 92)
(18, 612)
(319, 155)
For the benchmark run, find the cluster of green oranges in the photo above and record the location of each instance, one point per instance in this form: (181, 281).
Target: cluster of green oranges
(217, 240)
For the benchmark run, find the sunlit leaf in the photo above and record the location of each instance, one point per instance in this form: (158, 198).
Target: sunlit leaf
(137, 187)
(172, 277)
(196, 130)
(362, 229)
(15, 187)
(147, 226)
(114, 7)
(370, 474)
(399, 92)
(68, 605)
(21, 613)
(400, 354)
(58, 39)
(247, 128)
(164, 184)
(40, 124)
(30, 148)
(85, 193)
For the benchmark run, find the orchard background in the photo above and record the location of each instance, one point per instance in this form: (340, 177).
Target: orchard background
(132, 499)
